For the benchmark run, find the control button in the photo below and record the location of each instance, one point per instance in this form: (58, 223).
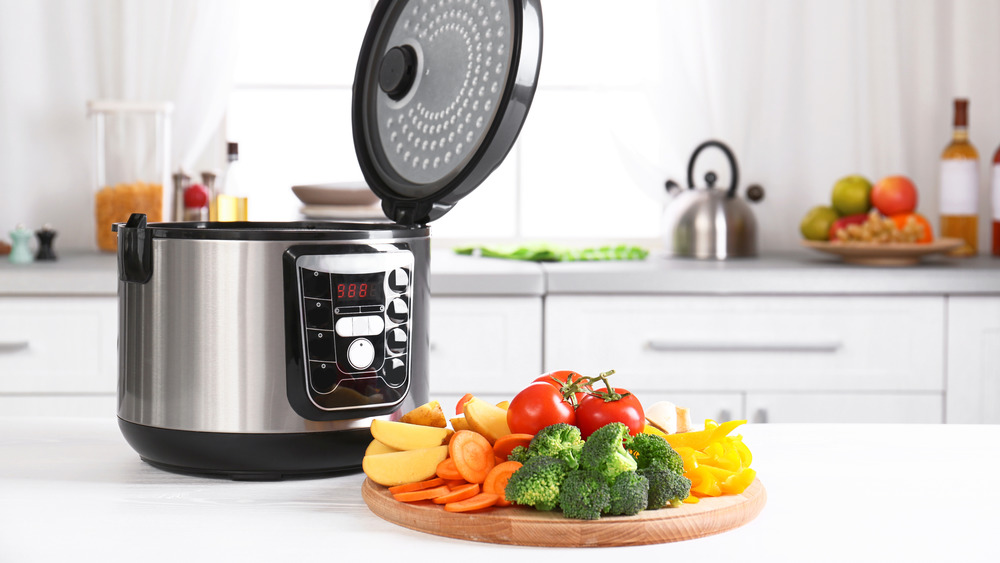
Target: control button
(323, 376)
(345, 327)
(320, 345)
(396, 340)
(315, 284)
(319, 314)
(398, 280)
(361, 326)
(361, 353)
(398, 310)
(375, 325)
(395, 372)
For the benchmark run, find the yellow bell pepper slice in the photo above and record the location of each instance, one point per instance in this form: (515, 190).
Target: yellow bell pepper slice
(738, 482)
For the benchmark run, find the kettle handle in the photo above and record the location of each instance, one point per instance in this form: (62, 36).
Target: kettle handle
(732, 165)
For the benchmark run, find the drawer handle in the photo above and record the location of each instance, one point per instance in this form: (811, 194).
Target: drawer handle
(750, 346)
(13, 345)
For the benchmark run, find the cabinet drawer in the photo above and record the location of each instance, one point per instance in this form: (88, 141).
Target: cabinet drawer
(752, 343)
(58, 344)
(484, 345)
(922, 408)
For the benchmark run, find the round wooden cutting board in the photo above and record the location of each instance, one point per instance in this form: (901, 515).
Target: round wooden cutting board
(527, 526)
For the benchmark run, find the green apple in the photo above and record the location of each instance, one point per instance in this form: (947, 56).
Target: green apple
(852, 195)
(816, 224)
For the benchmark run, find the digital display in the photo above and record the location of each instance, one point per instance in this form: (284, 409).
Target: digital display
(357, 289)
(352, 290)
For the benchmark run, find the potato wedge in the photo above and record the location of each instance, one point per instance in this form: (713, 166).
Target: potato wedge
(399, 468)
(662, 415)
(376, 447)
(486, 419)
(405, 436)
(459, 423)
(684, 419)
(427, 414)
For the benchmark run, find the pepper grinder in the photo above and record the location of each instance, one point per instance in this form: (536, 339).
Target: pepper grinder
(20, 253)
(45, 237)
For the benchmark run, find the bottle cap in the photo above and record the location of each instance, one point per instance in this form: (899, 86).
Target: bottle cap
(233, 150)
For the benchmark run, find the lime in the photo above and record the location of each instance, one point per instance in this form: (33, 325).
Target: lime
(852, 195)
(816, 224)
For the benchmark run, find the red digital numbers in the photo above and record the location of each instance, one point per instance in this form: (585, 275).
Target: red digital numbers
(352, 290)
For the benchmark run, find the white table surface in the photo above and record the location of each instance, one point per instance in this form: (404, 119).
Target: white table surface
(73, 490)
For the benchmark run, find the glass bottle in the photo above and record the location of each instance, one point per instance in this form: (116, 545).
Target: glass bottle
(131, 164)
(995, 190)
(231, 202)
(959, 187)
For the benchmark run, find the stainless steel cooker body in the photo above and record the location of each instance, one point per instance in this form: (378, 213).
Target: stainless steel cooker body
(208, 345)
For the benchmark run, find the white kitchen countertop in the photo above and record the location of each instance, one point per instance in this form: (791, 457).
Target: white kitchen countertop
(93, 273)
(73, 490)
(804, 273)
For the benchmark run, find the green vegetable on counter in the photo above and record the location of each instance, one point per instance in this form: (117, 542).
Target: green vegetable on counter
(537, 483)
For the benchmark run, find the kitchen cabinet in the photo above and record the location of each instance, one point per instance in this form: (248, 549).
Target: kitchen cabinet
(487, 345)
(802, 358)
(58, 344)
(973, 369)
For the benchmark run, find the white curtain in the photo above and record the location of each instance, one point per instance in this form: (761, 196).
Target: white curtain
(807, 91)
(57, 54)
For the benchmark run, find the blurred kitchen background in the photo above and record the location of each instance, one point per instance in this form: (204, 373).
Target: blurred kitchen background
(803, 91)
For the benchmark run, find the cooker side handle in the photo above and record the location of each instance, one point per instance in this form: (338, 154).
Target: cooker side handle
(135, 250)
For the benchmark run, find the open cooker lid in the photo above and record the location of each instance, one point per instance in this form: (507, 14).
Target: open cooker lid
(441, 91)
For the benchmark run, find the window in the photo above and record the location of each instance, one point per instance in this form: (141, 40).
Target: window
(564, 179)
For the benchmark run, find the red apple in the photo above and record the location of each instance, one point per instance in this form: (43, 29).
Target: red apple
(893, 195)
(843, 222)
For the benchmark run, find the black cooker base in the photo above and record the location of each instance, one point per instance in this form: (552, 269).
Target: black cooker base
(249, 457)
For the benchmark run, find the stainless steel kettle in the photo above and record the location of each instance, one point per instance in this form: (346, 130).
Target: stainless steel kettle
(708, 222)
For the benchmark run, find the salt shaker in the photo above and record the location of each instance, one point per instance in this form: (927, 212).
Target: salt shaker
(20, 253)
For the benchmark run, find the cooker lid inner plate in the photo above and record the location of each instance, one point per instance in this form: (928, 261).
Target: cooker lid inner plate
(441, 92)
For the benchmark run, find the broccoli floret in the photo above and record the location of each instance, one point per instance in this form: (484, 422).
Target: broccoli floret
(584, 495)
(629, 494)
(603, 451)
(561, 441)
(653, 452)
(519, 454)
(665, 488)
(537, 482)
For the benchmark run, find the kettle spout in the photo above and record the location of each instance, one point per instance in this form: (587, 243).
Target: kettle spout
(672, 187)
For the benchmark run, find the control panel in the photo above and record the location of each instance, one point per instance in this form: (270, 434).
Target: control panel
(352, 320)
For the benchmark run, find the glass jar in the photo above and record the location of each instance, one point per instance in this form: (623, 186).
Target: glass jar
(131, 164)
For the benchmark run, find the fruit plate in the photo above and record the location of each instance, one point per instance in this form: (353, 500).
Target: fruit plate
(883, 254)
(526, 526)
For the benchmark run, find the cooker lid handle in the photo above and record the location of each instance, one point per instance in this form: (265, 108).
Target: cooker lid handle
(135, 250)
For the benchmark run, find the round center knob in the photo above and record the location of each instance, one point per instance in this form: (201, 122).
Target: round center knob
(397, 71)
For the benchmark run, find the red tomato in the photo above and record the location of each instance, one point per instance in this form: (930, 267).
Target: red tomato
(594, 412)
(563, 375)
(538, 405)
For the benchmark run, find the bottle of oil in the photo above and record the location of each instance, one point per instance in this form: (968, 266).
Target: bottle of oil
(960, 185)
(231, 202)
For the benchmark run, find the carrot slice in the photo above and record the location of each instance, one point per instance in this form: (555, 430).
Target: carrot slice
(505, 444)
(424, 494)
(447, 470)
(459, 407)
(418, 486)
(478, 502)
(455, 483)
(463, 492)
(496, 480)
(473, 455)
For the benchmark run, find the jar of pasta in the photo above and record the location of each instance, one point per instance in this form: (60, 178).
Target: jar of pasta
(131, 164)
